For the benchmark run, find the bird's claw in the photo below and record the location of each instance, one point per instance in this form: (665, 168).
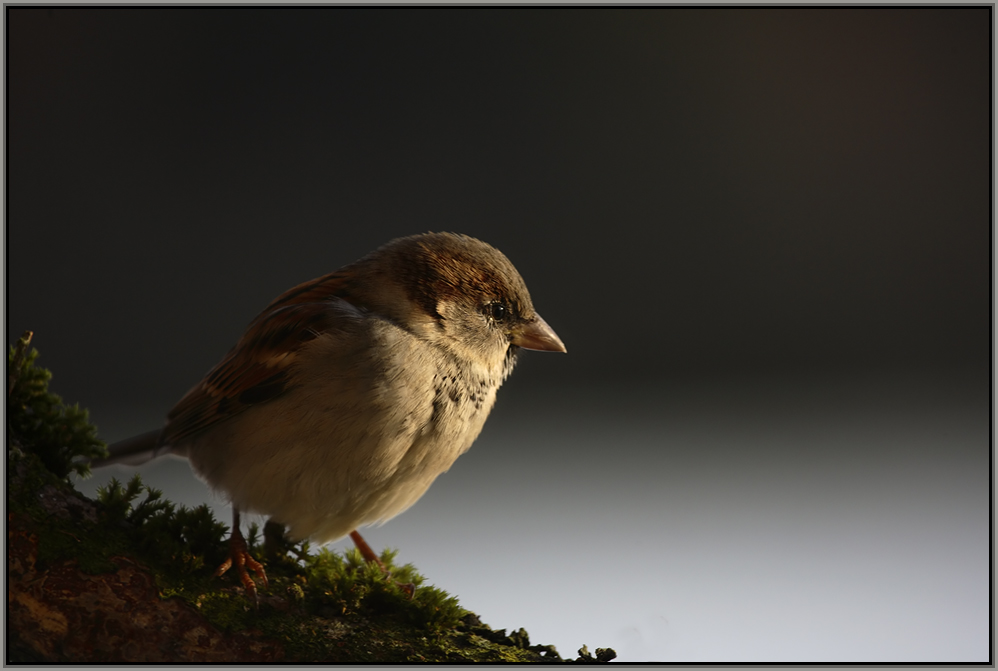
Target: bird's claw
(240, 557)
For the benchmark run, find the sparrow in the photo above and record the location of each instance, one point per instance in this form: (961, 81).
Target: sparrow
(349, 394)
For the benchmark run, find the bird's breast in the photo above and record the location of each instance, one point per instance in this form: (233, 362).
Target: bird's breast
(362, 435)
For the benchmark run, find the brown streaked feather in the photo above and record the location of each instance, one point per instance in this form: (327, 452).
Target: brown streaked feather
(256, 369)
(313, 291)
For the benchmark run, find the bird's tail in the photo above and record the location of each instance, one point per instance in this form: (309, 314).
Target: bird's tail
(133, 451)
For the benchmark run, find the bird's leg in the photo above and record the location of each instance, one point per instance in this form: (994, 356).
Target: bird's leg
(240, 556)
(365, 550)
(368, 554)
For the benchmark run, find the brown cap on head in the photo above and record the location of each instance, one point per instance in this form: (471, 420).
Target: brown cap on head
(434, 269)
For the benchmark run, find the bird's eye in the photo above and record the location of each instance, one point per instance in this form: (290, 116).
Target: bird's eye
(497, 311)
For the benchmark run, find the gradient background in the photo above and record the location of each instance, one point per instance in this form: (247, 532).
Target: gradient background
(763, 234)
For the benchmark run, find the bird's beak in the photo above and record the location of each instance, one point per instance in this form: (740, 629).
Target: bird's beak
(537, 335)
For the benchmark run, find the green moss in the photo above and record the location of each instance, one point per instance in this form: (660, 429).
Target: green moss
(60, 435)
(323, 606)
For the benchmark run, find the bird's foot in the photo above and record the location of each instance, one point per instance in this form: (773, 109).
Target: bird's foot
(407, 587)
(240, 557)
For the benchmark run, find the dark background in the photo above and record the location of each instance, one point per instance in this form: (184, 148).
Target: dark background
(698, 198)
(683, 189)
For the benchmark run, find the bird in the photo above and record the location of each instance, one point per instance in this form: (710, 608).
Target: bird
(350, 393)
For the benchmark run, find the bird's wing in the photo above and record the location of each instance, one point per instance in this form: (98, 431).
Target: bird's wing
(257, 368)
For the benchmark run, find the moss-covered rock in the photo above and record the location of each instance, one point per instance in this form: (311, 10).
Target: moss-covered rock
(129, 577)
